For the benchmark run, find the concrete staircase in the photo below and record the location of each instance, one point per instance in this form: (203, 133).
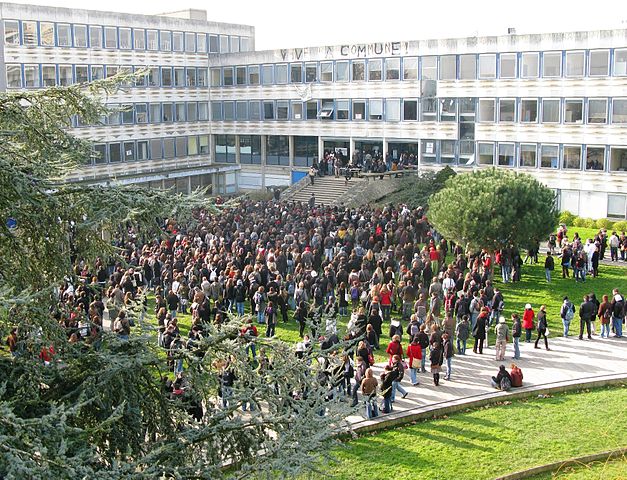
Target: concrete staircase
(327, 190)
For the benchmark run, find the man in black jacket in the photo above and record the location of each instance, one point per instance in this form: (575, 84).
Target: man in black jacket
(587, 311)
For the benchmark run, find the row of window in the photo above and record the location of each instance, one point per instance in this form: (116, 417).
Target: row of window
(489, 66)
(143, 113)
(277, 149)
(153, 149)
(48, 75)
(49, 34)
(502, 110)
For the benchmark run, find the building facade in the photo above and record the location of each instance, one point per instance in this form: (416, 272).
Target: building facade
(212, 109)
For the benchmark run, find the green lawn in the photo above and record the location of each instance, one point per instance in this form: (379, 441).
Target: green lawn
(492, 441)
(611, 470)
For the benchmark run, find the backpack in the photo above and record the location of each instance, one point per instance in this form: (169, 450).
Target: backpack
(517, 377)
(570, 312)
(506, 384)
(354, 293)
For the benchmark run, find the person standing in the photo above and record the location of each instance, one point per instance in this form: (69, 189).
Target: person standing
(462, 331)
(423, 340)
(479, 331)
(502, 336)
(618, 312)
(542, 327)
(387, 387)
(527, 322)
(567, 312)
(605, 315)
(312, 201)
(312, 174)
(549, 266)
(369, 392)
(586, 311)
(447, 353)
(414, 354)
(436, 362)
(516, 332)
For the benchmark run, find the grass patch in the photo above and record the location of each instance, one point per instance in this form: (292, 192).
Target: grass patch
(491, 441)
(615, 469)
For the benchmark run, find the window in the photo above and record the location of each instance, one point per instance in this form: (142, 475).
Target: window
(507, 110)
(129, 151)
(241, 111)
(240, 75)
(227, 76)
(618, 159)
(327, 110)
(191, 78)
(152, 40)
(311, 110)
(597, 110)
(326, 71)
(448, 109)
(177, 41)
(311, 72)
(97, 72)
(192, 145)
(617, 206)
(529, 110)
(46, 34)
(429, 151)
(528, 153)
(141, 113)
(410, 68)
(31, 76)
(296, 72)
(429, 68)
(550, 110)
(201, 43)
(342, 109)
(393, 110)
(305, 151)
(595, 158)
(358, 70)
(572, 157)
(447, 151)
(392, 68)
(599, 65)
(410, 110)
(282, 109)
(11, 32)
(268, 110)
(179, 77)
(467, 67)
(254, 110)
(203, 111)
(277, 150)
(280, 74)
(234, 44)
(49, 75)
(549, 156)
(467, 108)
(111, 71)
(573, 111)
(507, 65)
(80, 36)
(375, 112)
(244, 43)
(216, 111)
(297, 110)
(65, 75)
(214, 46)
(82, 73)
(487, 110)
(215, 74)
(29, 33)
(156, 149)
(266, 74)
(620, 60)
(192, 111)
(181, 147)
(155, 112)
(359, 109)
(341, 72)
(486, 154)
(142, 150)
(375, 67)
(448, 67)
(552, 64)
(139, 39)
(165, 41)
(203, 144)
(619, 110)
(114, 153)
(168, 147)
(250, 149)
(166, 76)
(575, 64)
(530, 62)
(429, 109)
(202, 75)
(110, 37)
(506, 154)
(100, 153)
(253, 75)
(64, 35)
(167, 113)
(154, 77)
(487, 66)
(125, 38)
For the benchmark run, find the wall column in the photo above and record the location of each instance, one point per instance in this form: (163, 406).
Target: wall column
(263, 161)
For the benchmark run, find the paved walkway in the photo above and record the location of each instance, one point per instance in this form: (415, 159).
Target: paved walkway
(569, 361)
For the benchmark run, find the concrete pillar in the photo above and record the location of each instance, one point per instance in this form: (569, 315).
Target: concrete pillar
(212, 149)
(320, 148)
(351, 149)
(263, 161)
(291, 150)
(385, 148)
(237, 153)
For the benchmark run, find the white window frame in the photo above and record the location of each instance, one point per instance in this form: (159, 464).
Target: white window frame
(483, 76)
(607, 70)
(521, 117)
(522, 64)
(571, 54)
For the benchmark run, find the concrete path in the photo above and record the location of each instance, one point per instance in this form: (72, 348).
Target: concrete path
(570, 360)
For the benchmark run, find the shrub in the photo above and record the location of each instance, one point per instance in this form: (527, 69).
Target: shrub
(589, 223)
(579, 222)
(604, 223)
(567, 218)
(620, 226)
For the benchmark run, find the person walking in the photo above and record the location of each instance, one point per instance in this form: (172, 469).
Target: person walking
(387, 387)
(605, 316)
(586, 311)
(462, 331)
(436, 362)
(542, 327)
(516, 332)
(549, 266)
(423, 340)
(312, 174)
(479, 331)
(414, 354)
(502, 336)
(527, 321)
(567, 312)
(400, 374)
(447, 353)
(394, 348)
(369, 392)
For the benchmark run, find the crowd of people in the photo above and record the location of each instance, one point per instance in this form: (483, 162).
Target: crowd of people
(284, 262)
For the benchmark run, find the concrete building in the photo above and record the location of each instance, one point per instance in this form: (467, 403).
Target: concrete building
(212, 109)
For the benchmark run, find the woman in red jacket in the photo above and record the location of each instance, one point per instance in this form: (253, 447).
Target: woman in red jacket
(414, 352)
(385, 300)
(527, 322)
(394, 348)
